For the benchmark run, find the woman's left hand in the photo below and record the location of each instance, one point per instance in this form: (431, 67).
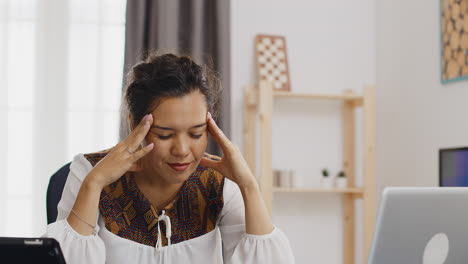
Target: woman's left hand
(232, 165)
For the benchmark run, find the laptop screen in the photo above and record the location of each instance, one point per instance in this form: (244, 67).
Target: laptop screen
(453, 167)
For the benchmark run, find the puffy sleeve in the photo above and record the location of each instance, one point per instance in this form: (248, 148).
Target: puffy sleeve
(240, 247)
(76, 248)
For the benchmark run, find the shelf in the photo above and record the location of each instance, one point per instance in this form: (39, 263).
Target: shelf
(318, 190)
(342, 97)
(258, 106)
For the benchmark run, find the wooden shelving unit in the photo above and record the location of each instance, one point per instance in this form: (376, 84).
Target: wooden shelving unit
(318, 190)
(258, 102)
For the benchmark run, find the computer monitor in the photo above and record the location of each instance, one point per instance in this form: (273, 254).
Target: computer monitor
(453, 167)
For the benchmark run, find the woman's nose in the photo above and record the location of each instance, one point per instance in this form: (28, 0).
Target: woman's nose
(180, 148)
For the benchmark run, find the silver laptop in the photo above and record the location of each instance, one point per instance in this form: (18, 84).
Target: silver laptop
(427, 225)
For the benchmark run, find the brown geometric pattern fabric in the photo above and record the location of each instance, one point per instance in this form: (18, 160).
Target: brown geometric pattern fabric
(194, 212)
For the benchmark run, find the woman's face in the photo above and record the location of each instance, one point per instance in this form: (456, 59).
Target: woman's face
(179, 133)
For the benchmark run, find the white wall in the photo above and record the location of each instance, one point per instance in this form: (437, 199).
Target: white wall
(416, 114)
(331, 47)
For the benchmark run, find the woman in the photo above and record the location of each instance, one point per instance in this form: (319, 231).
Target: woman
(157, 197)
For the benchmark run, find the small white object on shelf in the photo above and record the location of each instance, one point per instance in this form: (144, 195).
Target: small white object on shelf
(284, 178)
(341, 180)
(327, 182)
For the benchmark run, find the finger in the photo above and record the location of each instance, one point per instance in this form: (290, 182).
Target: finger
(142, 152)
(218, 134)
(138, 155)
(212, 157)
(207, 162)
(139, 133)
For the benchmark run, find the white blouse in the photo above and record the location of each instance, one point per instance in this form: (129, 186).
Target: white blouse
(226, 243)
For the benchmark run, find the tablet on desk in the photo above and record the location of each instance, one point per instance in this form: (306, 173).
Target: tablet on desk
(30, 250)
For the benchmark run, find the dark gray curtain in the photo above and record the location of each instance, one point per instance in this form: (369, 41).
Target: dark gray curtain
(199, 28)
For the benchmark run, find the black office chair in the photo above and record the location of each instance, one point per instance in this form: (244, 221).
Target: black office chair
(54, 191)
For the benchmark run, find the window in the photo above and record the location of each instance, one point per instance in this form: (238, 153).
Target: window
(61, 71)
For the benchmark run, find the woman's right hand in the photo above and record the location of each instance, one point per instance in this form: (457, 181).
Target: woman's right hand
(123, 157)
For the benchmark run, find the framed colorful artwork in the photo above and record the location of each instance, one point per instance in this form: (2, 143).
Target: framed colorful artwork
(454, 40)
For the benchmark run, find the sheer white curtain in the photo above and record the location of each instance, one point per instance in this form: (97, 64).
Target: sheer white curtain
(61, 67)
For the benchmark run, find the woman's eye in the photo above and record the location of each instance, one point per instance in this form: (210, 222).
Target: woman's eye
(196, 135)
(164, 137)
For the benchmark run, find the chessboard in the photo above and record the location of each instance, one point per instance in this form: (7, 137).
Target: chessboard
(272, 61)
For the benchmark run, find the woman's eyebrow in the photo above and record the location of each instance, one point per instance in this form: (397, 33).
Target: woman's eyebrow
(168, 128)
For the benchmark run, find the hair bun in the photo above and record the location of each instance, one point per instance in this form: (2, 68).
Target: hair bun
(168, 75)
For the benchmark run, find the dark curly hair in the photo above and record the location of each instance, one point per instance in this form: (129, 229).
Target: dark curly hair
(168, 75)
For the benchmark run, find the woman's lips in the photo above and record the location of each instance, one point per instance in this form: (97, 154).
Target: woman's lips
(179, 166)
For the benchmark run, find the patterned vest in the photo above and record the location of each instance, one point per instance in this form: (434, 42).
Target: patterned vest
(194, 212)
